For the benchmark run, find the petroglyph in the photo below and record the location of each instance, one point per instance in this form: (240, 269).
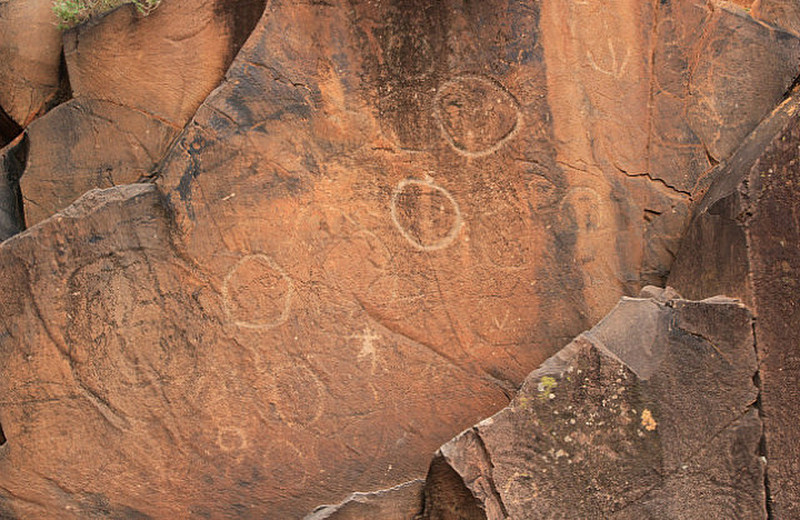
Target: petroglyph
(612, 65)
(477, 115)
(368, 344)
(584, 210)
(297, 394)
(257, 293)
(426, 214)
(231, 438)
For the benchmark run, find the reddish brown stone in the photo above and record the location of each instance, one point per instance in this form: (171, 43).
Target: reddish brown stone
(402, 502)
(708, 93)
(784, 14)
(648, 415)
(385, 216)
(30, 55)
(743, 242)
(142, 385)
(81, 145)
(136, 81)
(164, 63)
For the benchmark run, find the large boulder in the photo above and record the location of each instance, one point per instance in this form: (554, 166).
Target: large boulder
(743, 242)
(650, 415)
(30, 58)
(136, 82)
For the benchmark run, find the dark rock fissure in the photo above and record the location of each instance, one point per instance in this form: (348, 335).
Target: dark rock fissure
(12, 164)
(762, 447)
(64, 92)
(9, 129)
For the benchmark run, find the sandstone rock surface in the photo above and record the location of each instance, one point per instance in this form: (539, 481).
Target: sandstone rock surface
(648, 415)
(136, 81)
(743, 242)
(30, 57)
(402, 502)
(366, 237)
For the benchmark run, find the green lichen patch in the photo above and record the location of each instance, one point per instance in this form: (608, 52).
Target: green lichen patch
(73, 12)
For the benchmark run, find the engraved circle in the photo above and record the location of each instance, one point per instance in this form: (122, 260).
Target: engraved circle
(476, 115)
(257, 293)
(582, 210)
(298, 395)
(426, 214)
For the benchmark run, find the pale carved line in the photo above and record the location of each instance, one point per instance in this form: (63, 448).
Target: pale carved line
(454, 229)
(287, 303)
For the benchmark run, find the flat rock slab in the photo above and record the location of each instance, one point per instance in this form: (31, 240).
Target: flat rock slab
(134, 386)
(648, 415)
(743, 242)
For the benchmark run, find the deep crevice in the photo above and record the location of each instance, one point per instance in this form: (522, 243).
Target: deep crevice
(9, 129)
(12, 165)
(3, 439)
(64, 92)
(762, 445)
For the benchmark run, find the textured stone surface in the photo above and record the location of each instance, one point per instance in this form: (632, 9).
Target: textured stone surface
(648, 415)
(402, 502)
(780, 13)
(743, 242)
(86, 144)
(384, 217)
(136, 80)
(135, 382)
(163, 64)
(30, 55)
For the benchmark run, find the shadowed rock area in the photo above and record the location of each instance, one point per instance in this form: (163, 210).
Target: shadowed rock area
(743, 242)
(278, 252)
(648, 415)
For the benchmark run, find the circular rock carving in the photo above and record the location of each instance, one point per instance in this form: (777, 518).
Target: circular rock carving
(477, 115)
(584, 207)
(257, 293)
(426, 214)
(298, 395)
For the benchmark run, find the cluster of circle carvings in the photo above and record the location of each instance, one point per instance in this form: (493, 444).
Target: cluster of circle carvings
(477, 115)
(257, 293)
(426, 214)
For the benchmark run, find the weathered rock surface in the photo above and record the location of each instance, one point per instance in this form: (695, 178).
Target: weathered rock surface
(86, 144)
(30, 56)
(780, 13)
(136, 82)
(386, 215)
(402, 502)
(163, 64)
(136, 383)
(648, 415)
(743, 242)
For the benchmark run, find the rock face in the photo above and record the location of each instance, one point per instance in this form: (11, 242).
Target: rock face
(136, 82)
(30, 54)
(187, 395)
(743, 242)
(403, 502)
(361, 243)
(163, 64)
(648, 415)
